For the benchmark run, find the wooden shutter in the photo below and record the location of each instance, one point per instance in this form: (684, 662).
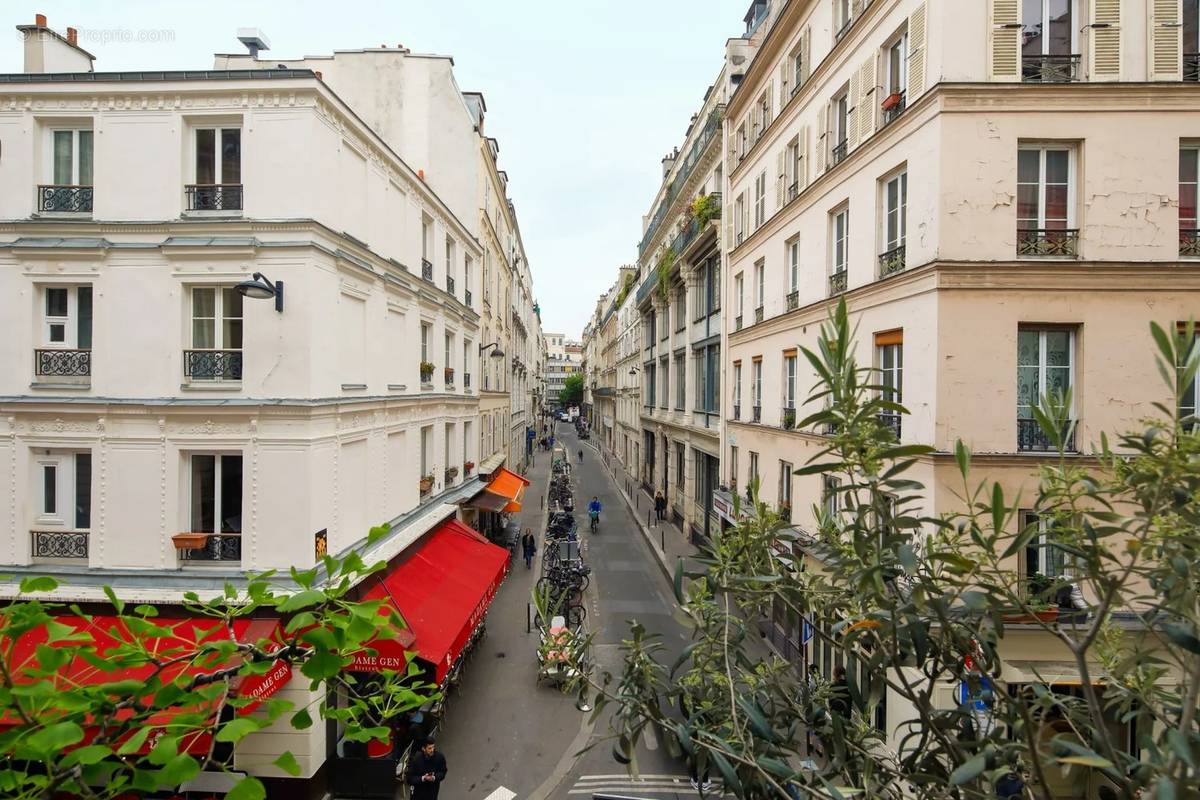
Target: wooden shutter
(916, 53)
(889, 337)
(783, 83)
(803, 177)
(852, 99)
(1166, 40)
(1005, 51)
(779, 181)
(868, 104)
(822, 144)
(1104, 63)
(806, 53)
(769, 116)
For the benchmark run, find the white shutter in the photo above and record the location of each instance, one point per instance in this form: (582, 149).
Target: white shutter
(869, 102)
(806, 53)
(803, 176)
(779, 180)
(1166, 40)
(852, 98)
(1004, 54)
(822, 144)
(916, 53)
(783, 84)
(769, 116)
(1104, 62)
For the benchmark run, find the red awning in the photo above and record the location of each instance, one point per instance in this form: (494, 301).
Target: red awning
(181, 636)
(443, 587)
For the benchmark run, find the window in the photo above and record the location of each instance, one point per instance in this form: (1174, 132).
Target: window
(712, 379)
(764, 105)
(831, 499)
(426, 232)
(1045, 201)
(467, 279)
(737, 390)
(793, 273)
(841, 126)
(841, 17)
(1045, 367)
(216, 352)
(740, 289)
(785, 490)
(1189, 236)
(753, 468)
(760, 285)
(681, 309)
(1043, 556)
(756, 390)
(791, 169)
(650, 386)
(895, 211)
(712, 285)
(425, 341)
(66, 490)
(741, 141)
(1187, 403)
(50, 490)
(733, 466)
(789, 384)
(760, 199)
(216, 493)
(841, 240)
(680, 455)
(897, 66)
(1049, 51)
(218, 156)
(67, 321)
(680, 386)
(796, 65)
(427, 451)
(72, 158)
(891, 368)
(664, 396)
(449, 263)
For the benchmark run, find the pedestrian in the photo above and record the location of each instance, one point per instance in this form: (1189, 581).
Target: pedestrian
(426, 771)
(581, 455)
(660, 505)
(839, 701)
(528, 547)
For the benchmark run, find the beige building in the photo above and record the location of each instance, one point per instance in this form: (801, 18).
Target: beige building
(1042, 155)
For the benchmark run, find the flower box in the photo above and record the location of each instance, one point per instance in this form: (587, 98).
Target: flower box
(448, 374)
(190, 541)
(891, 101)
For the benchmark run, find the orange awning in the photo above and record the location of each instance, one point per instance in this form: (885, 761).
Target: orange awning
(504, 493)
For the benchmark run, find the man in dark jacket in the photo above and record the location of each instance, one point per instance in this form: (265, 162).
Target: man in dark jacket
(426, 771)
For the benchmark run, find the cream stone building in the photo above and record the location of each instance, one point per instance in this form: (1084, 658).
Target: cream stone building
(1042, 155)
(161, 429)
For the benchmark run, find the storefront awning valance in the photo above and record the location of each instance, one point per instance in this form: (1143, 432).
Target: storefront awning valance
(504, 493)
(443, 587)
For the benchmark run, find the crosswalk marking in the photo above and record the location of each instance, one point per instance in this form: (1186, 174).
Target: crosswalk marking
(501, 794)
(642, 786)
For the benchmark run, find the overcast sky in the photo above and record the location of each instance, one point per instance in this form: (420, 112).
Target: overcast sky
(585, 96)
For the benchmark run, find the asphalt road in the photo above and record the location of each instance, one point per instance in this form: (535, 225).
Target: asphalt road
(504, 737)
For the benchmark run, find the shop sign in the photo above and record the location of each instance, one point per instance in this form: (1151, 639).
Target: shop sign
(724, 509)
(260, 687)
(365, 662)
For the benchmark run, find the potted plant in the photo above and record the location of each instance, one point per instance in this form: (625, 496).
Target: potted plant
(1040, 607)
(452, 472)
(789, 418)
(468, 466)
(448, 374)
(426, 371)
(705, 208)
(891, 101)
(426, 483)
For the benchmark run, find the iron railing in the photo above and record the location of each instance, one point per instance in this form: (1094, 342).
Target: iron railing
(59, 544)
(892, 261)
(737, 412)
(1189, 243)
(1048, 242)
(837, 282)
(756, 414)
(1031, 437)
(427, 269)
(893, 109)
(1050, 69)
(450, 285)
(839, 153)
(793, 300)
(213, 364)
(737, 322)
(758, 315)
(891, 422)
(213, 196)
(1191, 66)
(793, 190)
(427, 375)
(62, 363)
(846, 26)
(60, 198)
(219, 547)
(467, 297)
(466, 380)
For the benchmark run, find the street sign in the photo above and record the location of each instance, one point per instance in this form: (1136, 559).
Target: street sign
(964, 696)
(806, 632)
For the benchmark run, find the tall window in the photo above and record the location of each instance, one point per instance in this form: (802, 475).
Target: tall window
(216, 493)
(895, 211)
(891, 368)
(897, 65)
(740, 290)
(841, 16)
(680, 385)
(841, 126)
(737, 390)
(1042, 555)
(681, 309)
(785, 490)
(712, 285)
(218, 156)
(760, 199)
(65, 480)
(760, 286)
(831, 498)
(793, 273)
(796, 63)
(425, 341)
(664, 397)
(1189, 236)
(72, 157)
(789, 382)
(1045, 367)
(739, 231)
(67, 320)
(1045, 201)
(216, 351)
(467, 279)
(841, 240)
(756, 388)
(1047, 28)
(733, 466)
(753, 468)
(426, 238)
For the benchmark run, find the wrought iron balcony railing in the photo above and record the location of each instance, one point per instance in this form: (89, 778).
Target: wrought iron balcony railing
(427, 269)
(213, 196)
(59, 544)
(450, 284)
(793, 300)
(1189, 243)
(793, 190)
(737, 412)
(892, 261)
(758, 315)
(893, 106)
(837, 282)
(58, 198)
(218, 547)
(788, 419)
(1048, 242)
(1031, 437)
(892, 423)
(212, 365)
(1050, 69)
(737, 322)
(839, 153)
(62, 363)
(467, 297)
(846, 26)
(1191, 66)
(756, 414)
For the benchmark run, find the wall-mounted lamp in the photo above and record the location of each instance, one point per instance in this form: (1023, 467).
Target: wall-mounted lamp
(260, 288)
(497, 353)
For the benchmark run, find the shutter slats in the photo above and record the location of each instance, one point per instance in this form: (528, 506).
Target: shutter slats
(1166, 40)
(806, 53)
(852, 98)
(779, 180)
(1005, 51)
(803, 178)
(916, 53)
(1105, 51)
(867, 100)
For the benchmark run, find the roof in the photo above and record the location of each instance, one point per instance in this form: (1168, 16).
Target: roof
(157, 75)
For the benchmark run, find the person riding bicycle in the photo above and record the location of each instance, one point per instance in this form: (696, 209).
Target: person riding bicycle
(594, 511)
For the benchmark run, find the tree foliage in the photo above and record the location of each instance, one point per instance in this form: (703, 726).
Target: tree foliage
(161, 683)
(572, 392)
(916, 605)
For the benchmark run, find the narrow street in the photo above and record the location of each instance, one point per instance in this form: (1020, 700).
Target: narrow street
(503, 731)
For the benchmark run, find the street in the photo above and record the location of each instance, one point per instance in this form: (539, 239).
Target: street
(502, 731)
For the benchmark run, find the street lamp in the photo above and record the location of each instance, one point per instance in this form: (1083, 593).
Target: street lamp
(497, 353)
(260, 288)
(634, 369)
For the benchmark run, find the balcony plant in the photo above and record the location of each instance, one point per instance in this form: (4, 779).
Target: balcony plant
(468, 466)
(665, 263)
(426, 371)
(452, 472)
(426, 483)
(705, 208)
(789, 418)
(448, 374)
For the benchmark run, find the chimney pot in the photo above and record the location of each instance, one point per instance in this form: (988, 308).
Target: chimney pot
(39, 20)
(317, 72)
(72, 36)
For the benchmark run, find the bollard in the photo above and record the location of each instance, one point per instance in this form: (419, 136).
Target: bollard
(662, 539)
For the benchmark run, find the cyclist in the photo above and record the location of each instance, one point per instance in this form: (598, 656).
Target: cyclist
(594, 512)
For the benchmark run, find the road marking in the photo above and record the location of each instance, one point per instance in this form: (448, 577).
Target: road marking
(650, 739)
(501, 794)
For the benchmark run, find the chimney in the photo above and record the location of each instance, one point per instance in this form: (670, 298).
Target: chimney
(667, 162)
(254, 40)
(73, 37)
(48, 51)
(40, 20)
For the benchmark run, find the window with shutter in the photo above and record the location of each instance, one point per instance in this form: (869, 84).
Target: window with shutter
(853, 98)
(916, 52)
(1105, 51)
(867, 103)
(1005, 51)
(1166, 40)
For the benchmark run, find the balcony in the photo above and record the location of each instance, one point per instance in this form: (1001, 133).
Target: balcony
(756, 414)
(1189, 243)
(212, 365)
(846, 26)
(1191, 67)
(837, 283)
(737, 322)
(891, 422)
(62, 363)
(208, 546)
(58, 544)
(839, 153)
(467, 297)
(892, 261)
(1042, 242)
(427, 269)
(213, 196)
(450, 285)
(793, 300)
(467, 381)
(788, 419)
(758, 315)
(737, 412)
(793, 190)
(1031, 438)
(1050, 69)
(448, 376)
(893, 106)
(62, 199)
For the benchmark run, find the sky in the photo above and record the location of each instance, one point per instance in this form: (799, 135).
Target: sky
(584, 96)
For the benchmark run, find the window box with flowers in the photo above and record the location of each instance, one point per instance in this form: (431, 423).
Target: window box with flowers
(451, 474)
(468, 466)
(426, 371)
(789, 418)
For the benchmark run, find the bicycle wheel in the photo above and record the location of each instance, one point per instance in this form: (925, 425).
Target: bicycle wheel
(575, 616)
(583, 582)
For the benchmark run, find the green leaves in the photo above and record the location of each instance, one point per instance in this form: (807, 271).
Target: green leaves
(287, 762)
(249, 788)
(968, 770)
(1183, 637)
(37, 584)
(237, 729)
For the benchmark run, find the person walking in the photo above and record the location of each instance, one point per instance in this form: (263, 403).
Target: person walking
(528, 547)
(660, 505)
(426, 771)
(581, 455)
(839, 701)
